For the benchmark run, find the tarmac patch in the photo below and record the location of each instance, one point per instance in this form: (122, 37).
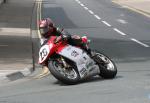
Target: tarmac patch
(15, 76)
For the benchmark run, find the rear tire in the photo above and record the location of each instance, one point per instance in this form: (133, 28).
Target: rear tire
(69, 76)
(107, 67)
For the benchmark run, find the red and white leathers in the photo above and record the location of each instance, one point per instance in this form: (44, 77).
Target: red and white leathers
(47, 29)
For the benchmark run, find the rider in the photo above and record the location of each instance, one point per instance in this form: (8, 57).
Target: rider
(47, 29)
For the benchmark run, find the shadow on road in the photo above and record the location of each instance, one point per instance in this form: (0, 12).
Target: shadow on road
(121, 51)
(88, 80)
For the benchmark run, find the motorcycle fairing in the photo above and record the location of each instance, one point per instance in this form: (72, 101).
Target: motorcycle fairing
(85, 64)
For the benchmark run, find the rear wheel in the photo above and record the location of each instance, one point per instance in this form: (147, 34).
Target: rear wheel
(107, 67)
(67, 75)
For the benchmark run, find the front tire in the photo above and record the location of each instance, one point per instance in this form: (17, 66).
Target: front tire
(107, 67)
(68, 76)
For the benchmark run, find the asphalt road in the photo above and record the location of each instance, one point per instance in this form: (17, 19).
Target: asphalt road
(121, 34)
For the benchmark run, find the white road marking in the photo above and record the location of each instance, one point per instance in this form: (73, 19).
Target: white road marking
(85, 8)
(139, 42)
(82, 5)
(79, 2)
(120, 32)
(106, 23)
(122, 21)
(91, 12)
(97, 17)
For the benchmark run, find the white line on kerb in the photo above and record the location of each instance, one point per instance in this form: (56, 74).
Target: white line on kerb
(120, 32)
(106, 23)
(85, 8)
(91, 12)
(97, 17)
(137, 41)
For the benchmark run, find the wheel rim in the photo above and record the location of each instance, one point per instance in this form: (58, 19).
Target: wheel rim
(107, 62)
(70, 73)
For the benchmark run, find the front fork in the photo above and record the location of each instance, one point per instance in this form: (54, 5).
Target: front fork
(64, 62)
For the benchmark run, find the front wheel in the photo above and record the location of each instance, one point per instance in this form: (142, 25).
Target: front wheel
(65, 75)
(107, 67)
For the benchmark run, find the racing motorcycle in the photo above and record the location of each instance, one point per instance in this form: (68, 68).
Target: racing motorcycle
(70, 64)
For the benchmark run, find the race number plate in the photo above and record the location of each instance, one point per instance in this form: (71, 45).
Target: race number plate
(43, 53)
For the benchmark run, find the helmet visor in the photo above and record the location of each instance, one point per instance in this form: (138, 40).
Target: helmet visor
(43, 30)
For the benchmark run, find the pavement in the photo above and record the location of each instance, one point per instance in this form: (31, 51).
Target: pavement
(16, 29)
(15, 39)
(140, 6)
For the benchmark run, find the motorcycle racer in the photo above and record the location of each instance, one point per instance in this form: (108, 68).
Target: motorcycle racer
(48, 29)
(70, 64)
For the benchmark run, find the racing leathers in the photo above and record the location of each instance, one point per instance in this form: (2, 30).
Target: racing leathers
(74, 40)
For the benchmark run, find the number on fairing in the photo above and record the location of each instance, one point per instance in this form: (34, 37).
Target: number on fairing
(74, 53)
(44, 51)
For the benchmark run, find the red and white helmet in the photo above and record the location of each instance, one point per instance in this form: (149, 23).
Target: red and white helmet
(45, 26)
